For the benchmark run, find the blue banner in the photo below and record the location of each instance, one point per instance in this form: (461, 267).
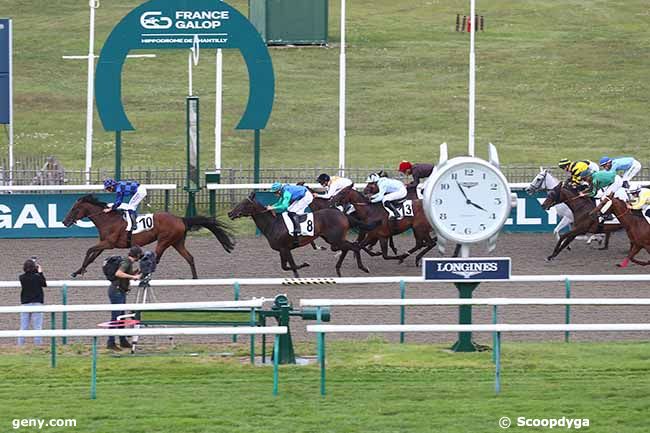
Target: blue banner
(41, 216)
(529, 216)
(484, 269)
(5, 52)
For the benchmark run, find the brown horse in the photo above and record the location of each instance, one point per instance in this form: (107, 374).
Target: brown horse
(329, 224)
(169, 230)
(585, 220)
(375, 214)
(636, 227)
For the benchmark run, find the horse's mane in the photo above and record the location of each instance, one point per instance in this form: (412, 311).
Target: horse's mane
(91, 199)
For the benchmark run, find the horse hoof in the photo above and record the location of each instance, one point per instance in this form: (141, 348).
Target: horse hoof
(73, 275)
(304, 265)
(322, 248)
(549, 259)
(338, 272)
(364, 269)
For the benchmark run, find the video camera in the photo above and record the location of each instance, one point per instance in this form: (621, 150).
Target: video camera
(147, 267)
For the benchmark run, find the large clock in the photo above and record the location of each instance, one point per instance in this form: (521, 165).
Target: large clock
(467, 200)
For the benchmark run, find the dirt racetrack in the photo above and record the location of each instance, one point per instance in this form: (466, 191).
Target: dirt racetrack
(253, 258)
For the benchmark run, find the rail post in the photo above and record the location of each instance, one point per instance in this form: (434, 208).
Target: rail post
(402, 309)
(53, 341)
(494, 334)
(93, 371)
(64, 315)
(497, 352)
(236, 289)
(276, 363)
(567, 308)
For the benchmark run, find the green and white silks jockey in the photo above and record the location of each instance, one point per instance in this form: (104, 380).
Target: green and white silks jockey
(603, 183)
(294, 199)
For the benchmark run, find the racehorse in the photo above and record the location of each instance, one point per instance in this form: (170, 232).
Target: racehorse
(324, 203)
(168, 230)
(545, 181)
(373, 213)
(636, 227)
(329, 224)
(585, 220)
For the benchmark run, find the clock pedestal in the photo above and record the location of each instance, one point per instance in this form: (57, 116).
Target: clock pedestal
(465, 343)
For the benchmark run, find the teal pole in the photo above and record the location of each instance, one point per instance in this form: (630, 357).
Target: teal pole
(253, 337)
(497, 351)
(64, 316)
(234, 337)
(256, 157)
(321, 351)
(118, 155)
(494, 334)
(166, 200)
(93, 372)
(567, 308)
(402, 309)
(276, 363)
(53, 340)
(465, 343)
(321, 341)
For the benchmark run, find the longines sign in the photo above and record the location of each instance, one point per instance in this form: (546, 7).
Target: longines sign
(483, 269)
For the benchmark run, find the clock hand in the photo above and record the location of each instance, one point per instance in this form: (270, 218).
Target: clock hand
(476, 206)
(463, 191)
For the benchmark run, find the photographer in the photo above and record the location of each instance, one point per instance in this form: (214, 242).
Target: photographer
(31, 283)
(119, 288)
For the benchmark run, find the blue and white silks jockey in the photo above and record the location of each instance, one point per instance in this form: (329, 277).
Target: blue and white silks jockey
(628, 165)
(389, 191)
(294, 199)
(124, 188)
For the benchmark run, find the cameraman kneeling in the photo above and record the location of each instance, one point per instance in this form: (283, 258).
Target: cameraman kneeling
(119, 288)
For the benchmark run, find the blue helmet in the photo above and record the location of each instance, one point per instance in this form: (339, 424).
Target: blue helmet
(109, 183)
(604, 160)
(277, 186)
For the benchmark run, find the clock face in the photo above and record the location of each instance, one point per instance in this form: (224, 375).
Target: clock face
(469, 200)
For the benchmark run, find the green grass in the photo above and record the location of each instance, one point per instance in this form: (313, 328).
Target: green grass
(373, 386)
(555, 79)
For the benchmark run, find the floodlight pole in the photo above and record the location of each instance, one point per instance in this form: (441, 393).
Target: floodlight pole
(342, 78)
(90, 93)
(472, 78)
(218, 112)
(11, 106)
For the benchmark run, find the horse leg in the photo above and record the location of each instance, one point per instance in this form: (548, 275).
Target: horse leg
(180, 247)
(339, 262)
(345, 246)
(92, 253)
(391, 243)
(292, 263)
(634, 249)
(564, 241)
(606, 246)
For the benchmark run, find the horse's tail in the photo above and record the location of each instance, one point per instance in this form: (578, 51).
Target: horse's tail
(356, 223)
(220, 230)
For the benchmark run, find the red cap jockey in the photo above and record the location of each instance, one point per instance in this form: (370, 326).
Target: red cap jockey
(405, 165)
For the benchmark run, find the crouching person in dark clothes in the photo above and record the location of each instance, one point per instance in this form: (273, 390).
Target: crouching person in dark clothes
(119, 288)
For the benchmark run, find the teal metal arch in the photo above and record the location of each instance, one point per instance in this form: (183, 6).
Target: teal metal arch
(174, 24)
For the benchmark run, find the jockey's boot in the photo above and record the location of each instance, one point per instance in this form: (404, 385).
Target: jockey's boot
(296, 228)
(626, 184)
(133, 219)
(391, 206)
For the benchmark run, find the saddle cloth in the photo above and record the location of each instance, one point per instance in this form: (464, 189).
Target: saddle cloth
(306, 224)
(144, 222)
(404, 208)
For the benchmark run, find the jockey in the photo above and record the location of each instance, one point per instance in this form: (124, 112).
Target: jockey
(418, 171)
(607, 181)
(641, 201)
(333, 185)
(294, 199)
(576, 168)
(389, 191)
(122, 188)
(628, 165)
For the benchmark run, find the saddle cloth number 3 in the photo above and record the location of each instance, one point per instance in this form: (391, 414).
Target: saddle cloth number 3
(407, 208)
